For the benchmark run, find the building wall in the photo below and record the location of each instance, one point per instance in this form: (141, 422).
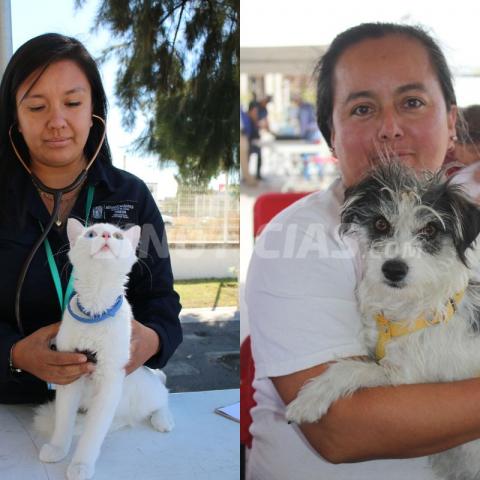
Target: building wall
(207, 260)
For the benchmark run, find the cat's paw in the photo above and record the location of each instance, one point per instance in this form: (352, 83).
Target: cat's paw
(80, 471)
(162, 420)
(51, 453)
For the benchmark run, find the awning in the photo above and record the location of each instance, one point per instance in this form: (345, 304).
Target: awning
(285, 60)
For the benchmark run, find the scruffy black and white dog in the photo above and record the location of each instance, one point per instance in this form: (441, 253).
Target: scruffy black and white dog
(419, 303)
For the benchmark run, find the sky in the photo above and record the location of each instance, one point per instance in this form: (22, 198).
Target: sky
(34, 17)
(316, 22)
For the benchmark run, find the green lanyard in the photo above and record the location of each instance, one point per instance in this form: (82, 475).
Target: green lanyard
(53, 266)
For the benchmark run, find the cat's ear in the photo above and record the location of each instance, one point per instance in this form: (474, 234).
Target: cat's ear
(74, 230)
(133, 234)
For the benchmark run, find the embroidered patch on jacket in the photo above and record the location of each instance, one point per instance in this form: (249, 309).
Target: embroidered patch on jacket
(97, 212)
(118, 213)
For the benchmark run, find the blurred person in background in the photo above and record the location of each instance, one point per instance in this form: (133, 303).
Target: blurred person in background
(245, 125)
(263, 123)
(252, 131)
(308, 130)
(463, 160)
(307, 119)
(467, 146)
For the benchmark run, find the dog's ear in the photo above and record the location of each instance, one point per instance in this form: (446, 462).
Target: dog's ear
(471, 230)
(359, 201)
(348, 215)
(471, 224)
(464, 216)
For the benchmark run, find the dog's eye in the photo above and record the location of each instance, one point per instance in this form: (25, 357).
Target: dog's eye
(429, 231)
(381, 225)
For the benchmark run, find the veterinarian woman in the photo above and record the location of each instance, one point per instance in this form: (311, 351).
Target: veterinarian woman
(382, 89)
(52, 121)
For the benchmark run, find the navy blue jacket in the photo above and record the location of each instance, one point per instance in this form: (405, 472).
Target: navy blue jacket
(120, 198)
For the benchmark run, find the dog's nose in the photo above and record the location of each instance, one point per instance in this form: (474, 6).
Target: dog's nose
(395, 270)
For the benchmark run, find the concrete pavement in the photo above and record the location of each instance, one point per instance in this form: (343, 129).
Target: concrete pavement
(219, 314)
(208, 358)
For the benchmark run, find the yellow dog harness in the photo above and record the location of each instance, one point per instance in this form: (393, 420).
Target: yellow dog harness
(388, 330)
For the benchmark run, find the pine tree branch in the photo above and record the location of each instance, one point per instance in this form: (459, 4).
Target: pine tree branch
(192, 122)
(170, 13)
(175, 39)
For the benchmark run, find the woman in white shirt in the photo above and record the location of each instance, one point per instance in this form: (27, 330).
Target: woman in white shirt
(381, 88)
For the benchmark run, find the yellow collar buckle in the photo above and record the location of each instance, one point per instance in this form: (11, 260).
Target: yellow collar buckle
(388, 329)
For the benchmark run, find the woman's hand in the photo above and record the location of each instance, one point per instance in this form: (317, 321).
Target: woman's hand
(34, 355)
(144, 344)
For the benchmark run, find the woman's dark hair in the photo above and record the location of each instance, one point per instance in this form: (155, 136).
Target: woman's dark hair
(36, 55)
(352, 36)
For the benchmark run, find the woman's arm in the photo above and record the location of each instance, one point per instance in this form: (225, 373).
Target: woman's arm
(8, 336)
(154, 302)
(390, 422)
(32, 354)
(144, 345)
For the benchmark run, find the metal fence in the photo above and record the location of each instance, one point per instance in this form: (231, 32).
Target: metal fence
(199, 215)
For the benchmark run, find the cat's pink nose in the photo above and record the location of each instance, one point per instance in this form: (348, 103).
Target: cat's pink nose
(105, 235)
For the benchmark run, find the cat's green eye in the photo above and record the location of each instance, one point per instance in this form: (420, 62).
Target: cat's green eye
(118, 236)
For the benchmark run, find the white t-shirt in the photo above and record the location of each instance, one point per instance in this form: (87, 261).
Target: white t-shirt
(300, 294)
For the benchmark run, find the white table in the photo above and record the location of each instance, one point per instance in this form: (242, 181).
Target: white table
(202, 446)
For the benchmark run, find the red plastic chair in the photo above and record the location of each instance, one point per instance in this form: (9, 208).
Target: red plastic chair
(265, 208)
(269, 204)
(247, 374)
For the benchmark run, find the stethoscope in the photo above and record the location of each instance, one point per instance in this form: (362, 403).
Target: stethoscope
(57, 196)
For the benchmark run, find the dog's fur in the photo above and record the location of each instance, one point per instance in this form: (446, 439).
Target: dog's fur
(417, 237)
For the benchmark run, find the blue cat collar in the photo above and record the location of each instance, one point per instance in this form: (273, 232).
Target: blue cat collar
(110, 312)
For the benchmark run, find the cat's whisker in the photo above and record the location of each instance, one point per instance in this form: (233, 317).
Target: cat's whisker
(145, 264)
(64, 268)
(63, 249)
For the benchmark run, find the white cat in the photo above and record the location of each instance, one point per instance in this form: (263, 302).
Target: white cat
(102, 255)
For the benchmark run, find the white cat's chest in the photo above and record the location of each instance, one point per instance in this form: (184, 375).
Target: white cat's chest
(108, 339)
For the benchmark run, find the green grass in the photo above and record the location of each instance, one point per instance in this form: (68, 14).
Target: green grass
(208, 292)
